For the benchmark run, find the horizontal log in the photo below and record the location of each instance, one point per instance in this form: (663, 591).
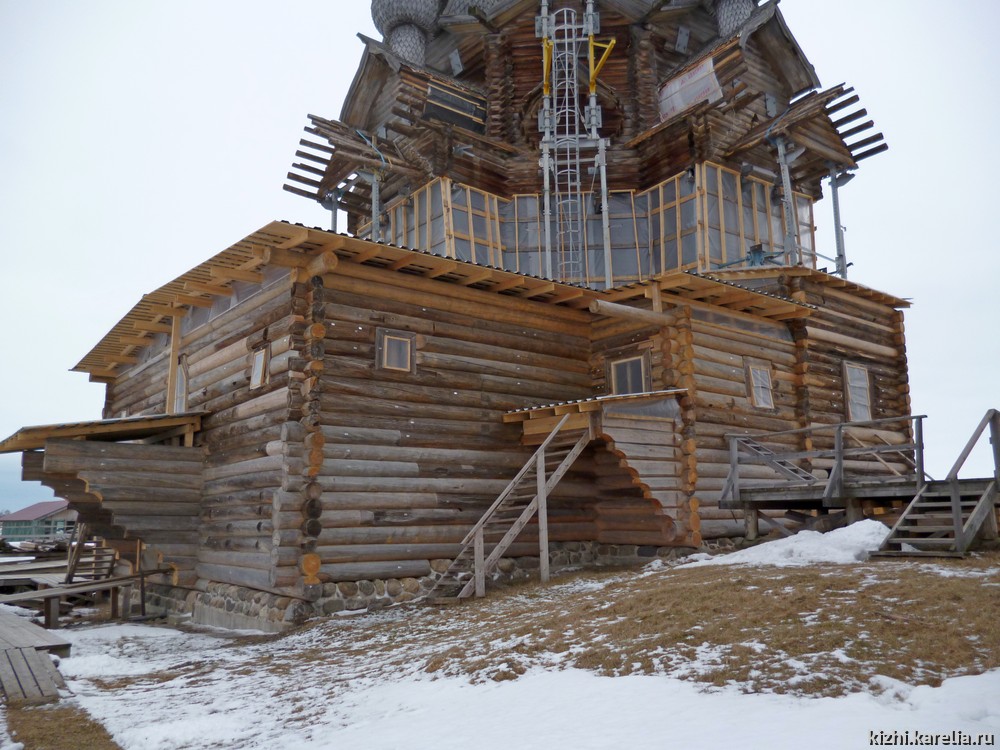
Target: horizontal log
(647, 317)
(381, 570)
(851, 344)
(254, 578)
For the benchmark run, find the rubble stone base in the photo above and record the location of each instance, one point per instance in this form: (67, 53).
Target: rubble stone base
(239, 608)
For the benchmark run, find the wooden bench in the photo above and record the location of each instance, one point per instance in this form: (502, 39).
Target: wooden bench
(51, 597)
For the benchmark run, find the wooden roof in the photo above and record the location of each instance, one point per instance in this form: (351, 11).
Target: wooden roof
(582, 405)
(291, 245)
(126, 428)
(693, 288)
(295, 246)
(820, 277)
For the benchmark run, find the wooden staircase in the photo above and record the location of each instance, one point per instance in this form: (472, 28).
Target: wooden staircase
(526, 495)
(944, 517)
(770, 458)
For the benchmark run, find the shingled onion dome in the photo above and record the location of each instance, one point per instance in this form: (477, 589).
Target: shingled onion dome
(406, 25)
(461, 7)
(730, 15)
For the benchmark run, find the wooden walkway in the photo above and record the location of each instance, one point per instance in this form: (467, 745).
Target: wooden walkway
(27, 674)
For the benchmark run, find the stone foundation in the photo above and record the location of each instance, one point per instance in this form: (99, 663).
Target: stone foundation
(239, 608)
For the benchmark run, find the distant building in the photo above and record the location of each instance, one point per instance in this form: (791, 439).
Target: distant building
(46, 520)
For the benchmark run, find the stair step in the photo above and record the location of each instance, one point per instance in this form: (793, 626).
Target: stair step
(914, 553)
(925, 542)
(924, 529)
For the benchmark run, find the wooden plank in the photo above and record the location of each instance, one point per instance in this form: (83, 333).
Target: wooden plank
(8, 680)
(29, 686)
(17, 632)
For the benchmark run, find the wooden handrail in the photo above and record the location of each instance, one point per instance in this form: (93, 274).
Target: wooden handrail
(992, 420)
(828, 427)
(515, 481)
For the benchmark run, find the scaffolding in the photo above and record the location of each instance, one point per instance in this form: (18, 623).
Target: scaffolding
(566, 132)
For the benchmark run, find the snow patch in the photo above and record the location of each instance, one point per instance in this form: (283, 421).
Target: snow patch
(840, 546)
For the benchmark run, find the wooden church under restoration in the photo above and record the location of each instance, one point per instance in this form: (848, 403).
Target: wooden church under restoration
(580, 315)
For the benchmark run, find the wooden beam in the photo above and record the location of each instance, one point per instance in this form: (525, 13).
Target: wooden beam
(322, 264)
(164, 311)
(298, 236)
(135, 340)
(639, 315)
(150, 326)
(237, 274)
(215, 289)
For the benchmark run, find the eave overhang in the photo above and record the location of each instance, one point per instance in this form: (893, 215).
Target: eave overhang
(156, 427)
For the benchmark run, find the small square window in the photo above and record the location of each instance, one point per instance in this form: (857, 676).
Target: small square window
(857, 393)
(629, 375)
(395, 350)
(758, 374)
(259, 361)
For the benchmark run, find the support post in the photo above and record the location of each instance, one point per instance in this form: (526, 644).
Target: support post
(839, 466)
(751, 519)
(52, 612)
(543, 519)
(790, 244)
(838, 229)
(547, 196)
(479, 570)
(918, 440)
(734, 467)
(376, 209)
(602, 165)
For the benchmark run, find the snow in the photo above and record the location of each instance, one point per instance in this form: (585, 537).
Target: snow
(846, 545)
(156, 688)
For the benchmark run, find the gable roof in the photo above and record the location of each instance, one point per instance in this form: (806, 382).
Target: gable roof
(36, 512)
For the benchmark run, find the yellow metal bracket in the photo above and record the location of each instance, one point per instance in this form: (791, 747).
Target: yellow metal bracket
(546, 66)
(595, 68)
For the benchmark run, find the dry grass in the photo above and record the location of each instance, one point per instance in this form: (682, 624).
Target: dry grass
(821, 630)
(58, 727)
(818, 630)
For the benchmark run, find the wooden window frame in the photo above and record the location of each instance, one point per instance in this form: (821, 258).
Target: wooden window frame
(262, 354)
(750, 365)
(382, 350)
(621, 358)
(869, 394)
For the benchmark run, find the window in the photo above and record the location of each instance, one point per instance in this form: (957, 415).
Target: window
(758, 374)
(857, 393)
(395, 350)
(259, 360)
(629, 375)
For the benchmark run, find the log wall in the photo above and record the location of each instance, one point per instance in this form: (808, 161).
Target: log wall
(235, 530)
(404, 463)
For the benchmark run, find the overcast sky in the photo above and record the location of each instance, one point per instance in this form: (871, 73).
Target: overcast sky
(140, 137)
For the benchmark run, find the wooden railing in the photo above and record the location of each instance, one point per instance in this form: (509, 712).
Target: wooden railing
(525, 496)
(964, 532)
(741, 453)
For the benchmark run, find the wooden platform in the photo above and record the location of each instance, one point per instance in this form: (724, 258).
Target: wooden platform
(17, 632)
(790, 495)
(27, 674)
